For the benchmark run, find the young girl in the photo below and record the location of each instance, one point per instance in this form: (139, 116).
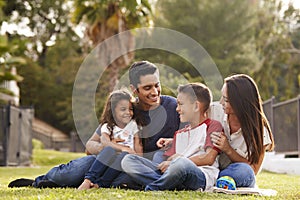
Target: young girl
(119, 135)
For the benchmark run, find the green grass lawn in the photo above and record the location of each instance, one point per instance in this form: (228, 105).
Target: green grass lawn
(288, 186)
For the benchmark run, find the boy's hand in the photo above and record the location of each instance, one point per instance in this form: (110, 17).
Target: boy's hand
(163, 166)
(164, 142)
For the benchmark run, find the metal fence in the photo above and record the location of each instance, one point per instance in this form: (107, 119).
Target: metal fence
(284, 118)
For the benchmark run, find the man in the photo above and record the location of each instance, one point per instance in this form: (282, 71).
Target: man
(155, 112)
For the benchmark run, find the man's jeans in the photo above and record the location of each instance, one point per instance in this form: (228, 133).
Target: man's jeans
(182, 174)
(70, 174)
(242, 173)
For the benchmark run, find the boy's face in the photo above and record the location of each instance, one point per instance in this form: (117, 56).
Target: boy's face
(185, 107)
(148, 91)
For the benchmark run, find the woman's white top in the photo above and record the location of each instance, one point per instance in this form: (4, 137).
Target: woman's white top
(237, 142)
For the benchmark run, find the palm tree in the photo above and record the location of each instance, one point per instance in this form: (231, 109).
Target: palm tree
(107, 18)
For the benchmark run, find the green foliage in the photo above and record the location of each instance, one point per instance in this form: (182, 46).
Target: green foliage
(7, 61)
(223, 28)
(241, 37)
(134, 12)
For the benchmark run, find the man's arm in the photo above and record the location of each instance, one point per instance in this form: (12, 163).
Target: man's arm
(93, 145)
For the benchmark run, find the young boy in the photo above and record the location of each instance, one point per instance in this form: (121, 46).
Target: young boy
(192, 162)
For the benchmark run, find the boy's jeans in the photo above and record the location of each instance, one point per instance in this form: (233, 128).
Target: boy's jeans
(181, 174)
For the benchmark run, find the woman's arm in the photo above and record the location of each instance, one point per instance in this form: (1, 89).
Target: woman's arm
(221, 142)
(256, 167)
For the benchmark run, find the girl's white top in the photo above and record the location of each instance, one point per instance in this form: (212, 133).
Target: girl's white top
(127, 133)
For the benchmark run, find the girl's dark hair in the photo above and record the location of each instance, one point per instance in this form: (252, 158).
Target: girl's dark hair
(246, 102)
(108, 114)
(197, 92)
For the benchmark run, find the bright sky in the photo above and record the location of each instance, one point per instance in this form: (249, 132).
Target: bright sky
(296, 3)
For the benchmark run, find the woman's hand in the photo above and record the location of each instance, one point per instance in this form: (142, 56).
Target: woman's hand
(163, 166)
(219, 140)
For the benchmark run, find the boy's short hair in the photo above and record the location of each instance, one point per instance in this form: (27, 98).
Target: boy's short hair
(138, 69)
(197, 92)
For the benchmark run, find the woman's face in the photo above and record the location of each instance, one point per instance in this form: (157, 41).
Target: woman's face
(224, 101)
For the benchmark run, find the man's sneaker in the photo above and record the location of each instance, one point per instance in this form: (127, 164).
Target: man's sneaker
(226, 182)
(47, 184)
(22, 182)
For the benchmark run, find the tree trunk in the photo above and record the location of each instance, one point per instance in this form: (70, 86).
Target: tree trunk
(99, 33)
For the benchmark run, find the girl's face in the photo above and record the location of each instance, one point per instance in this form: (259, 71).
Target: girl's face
(185, 107)
(123, 113)
(225, 101)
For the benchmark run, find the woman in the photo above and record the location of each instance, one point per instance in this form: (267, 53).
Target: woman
(247, 134)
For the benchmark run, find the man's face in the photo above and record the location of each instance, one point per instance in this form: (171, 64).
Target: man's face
(148, 91)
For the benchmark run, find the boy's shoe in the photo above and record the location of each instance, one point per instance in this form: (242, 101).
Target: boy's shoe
(21, 182)
(47, 184)
(226, 182)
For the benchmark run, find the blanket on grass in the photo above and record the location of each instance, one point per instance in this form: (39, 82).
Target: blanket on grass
(241, 190)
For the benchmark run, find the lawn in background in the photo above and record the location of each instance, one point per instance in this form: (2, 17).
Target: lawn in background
(288, 186)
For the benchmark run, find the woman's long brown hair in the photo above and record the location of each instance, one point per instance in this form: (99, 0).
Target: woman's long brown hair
(246, 102)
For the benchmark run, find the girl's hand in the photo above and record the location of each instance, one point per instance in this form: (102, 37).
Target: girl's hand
(219, 140)
(128, 149)
(117, 140)
(163, 166)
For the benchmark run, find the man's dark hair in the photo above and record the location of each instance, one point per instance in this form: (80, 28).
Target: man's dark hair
(138, 69)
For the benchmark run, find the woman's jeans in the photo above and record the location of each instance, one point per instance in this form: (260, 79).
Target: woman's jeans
(182, 174)
(242, 173)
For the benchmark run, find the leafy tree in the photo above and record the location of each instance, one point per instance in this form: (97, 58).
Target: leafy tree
(277, 72)
(7, 58)
(107, 18)
(53, 56)
(44, 20)
(223, 28)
